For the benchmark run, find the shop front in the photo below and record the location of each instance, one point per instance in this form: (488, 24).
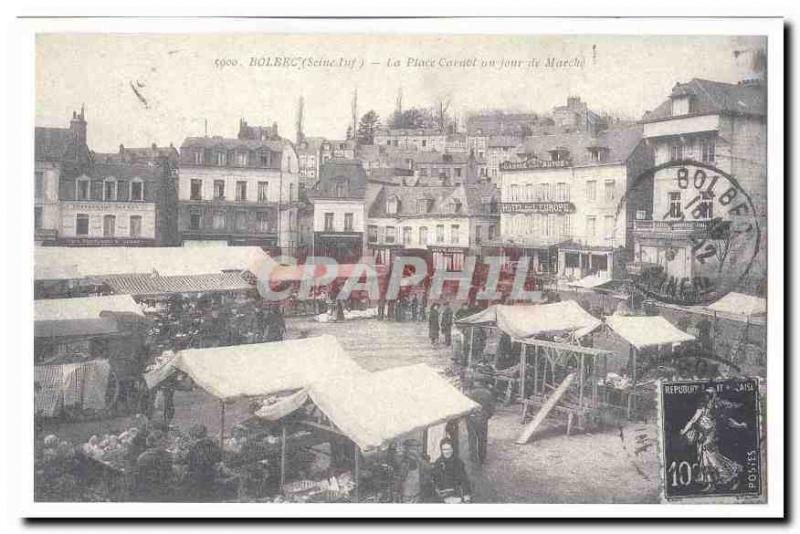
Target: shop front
(344, 247)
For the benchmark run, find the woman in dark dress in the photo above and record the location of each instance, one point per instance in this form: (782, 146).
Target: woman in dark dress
(433, 324)
(449, 474)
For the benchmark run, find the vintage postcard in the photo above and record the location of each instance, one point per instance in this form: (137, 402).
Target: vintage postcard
(499, 262)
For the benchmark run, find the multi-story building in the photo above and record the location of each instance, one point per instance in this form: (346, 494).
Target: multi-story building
(425, 139)
(338, 211)
(703, 126)
(86, 199)
(309, 157)
(436, 168)
(576, 116)
(444, 224)
(563, 204)
(340, 149)
(242, 191)
(500, 149)
(500, 123)
(456, 142)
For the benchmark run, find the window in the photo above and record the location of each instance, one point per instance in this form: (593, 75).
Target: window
(514, 193)
(110, 190)
(198, 157)
(591, 190)
(221, 159)
(424, 142)
(391, 234)
(529, 194)
(391, 205)
(219, 189)
(194, 220)
(641, 215)
(196, 190)
(109, 225)
(676, 152)
(372, 233)
(608, 224)
(454, 233)
(329, 222)
(457, 172)
(37, 218)
(341, 189)
(478, 229)
(705, 208)
(708, 149)
(440, 233)
(264, 157)
(219, 220)
(423, 235)
(675, 205)
(551, 228)
(566, 227)
(681, 106)
(423, 205)
(81, 224)
(348, 222)
(544, 192)
(263, 221)
(423, 171)
(562, 192)
(591, 226)
(82, 192)
(572, 260)
(136, 226)
(38, 184)
(241, 190)
(491, 232)
(609, 188)
(263, 191)
(241, 159)
(406, 235)
(292, 196)
(241, 221)
(137, 190)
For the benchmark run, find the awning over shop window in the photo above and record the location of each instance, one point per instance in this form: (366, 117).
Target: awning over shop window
(524, 321)
(647, 331)
(373, 409)
(153, 284)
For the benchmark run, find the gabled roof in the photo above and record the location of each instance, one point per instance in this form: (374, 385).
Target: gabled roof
(232, 143)
(715, 97)
(618, 142)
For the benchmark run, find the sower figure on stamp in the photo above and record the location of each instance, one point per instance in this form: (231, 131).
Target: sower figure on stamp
(702, 430)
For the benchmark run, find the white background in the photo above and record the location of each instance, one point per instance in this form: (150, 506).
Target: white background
(15, 476)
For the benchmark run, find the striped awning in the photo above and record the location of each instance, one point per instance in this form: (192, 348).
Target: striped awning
(153, 284)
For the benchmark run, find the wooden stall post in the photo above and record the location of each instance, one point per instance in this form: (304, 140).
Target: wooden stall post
(283, 455)
(632, 400)
(523, 360)
(581, 383)
(535, 370)
(221, 424)
(471, 346)
(357, 473)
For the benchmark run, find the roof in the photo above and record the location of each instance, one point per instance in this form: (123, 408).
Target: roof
(646, 331)
(504, 141)
(471, 198)
(618, 142)
(83, 316)
(232, 143)
(68, 263)
(124, 171)
(339, 170)
(265, 368)
(715, 97)
(740, 304)
(374, 409)
(154, 284)
(52, 144)
(449, 158)
(524, 321)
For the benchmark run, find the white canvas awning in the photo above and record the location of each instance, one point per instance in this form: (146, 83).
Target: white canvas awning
(82, 316)
(589, 282)
(740, 304)
(69, 263)
(373, 409)
(647, 331)
(265, 368)
(524, 321)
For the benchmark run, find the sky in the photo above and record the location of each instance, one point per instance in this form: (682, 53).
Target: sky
(181, 87)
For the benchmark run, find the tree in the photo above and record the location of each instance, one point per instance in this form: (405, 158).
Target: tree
(369, 124)
(441, 109)
(413, 118)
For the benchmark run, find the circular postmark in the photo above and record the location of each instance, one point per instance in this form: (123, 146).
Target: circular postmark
(695, 231)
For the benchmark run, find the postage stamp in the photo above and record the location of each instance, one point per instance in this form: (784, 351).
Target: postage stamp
(710, 439)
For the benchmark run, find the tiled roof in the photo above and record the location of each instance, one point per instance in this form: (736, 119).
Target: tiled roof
(124, 171)
(336, 170)
(232, 143)
(149, 284)
(52, 144)
(618, 142)
(715, 97)
(471, 199)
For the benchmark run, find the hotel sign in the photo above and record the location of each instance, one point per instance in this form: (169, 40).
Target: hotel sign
(537, 207)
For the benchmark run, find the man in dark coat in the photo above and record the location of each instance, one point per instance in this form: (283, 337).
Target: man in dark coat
(202, 459)
(447, 324)
(433, 324)
(478, 422)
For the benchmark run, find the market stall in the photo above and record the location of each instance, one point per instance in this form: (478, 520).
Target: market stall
(88, 354)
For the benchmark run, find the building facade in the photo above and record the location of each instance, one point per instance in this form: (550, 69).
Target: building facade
(564, 205)
(705, 126)
(436, 168)
(338, 215)
(242, 191)
(442, 224)
(424, 139)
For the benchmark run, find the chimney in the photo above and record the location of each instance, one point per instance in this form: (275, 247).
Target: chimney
(121, 149)
(78, 127)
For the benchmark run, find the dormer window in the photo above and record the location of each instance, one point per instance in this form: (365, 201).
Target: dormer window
(597, 153)
(341, 189)
(392, 203)
(681, 105)
(559, 154)
(454, 205)
(221, 158)
(241, 159)
(110, 189)
(423, 205)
